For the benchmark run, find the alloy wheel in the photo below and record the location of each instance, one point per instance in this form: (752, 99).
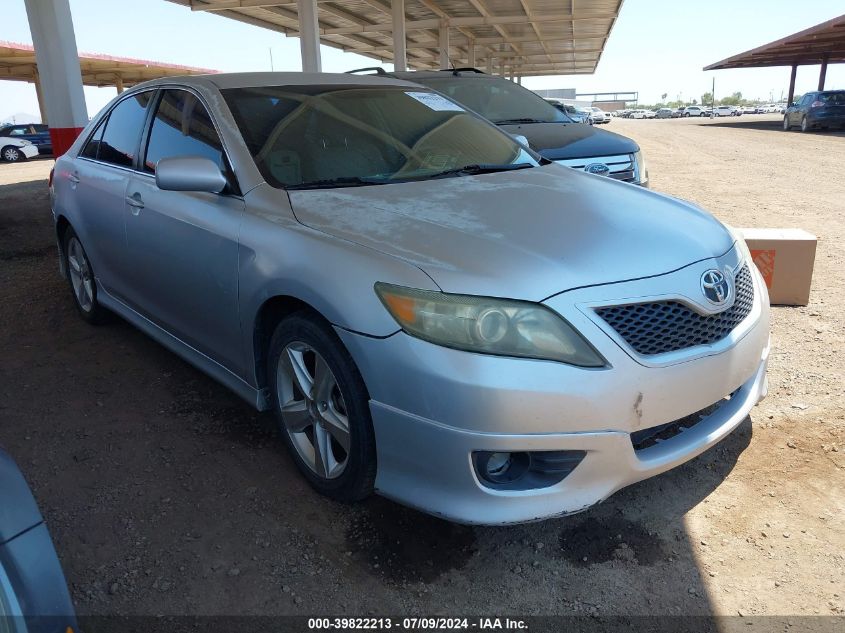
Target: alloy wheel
(313, 410)
(80, 275)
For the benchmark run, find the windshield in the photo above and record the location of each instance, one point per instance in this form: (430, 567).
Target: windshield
(315, 136)
(496, 99)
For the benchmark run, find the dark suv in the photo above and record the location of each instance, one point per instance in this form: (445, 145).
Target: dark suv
(520, 112)
(36, 133)
(819, 109)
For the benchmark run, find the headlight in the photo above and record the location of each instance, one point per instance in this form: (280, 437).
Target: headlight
(489, 326)
(639, 162)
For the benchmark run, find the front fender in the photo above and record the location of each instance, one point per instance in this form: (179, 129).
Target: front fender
(278, 256)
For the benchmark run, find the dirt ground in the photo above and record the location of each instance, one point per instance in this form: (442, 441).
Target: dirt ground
(165, 494)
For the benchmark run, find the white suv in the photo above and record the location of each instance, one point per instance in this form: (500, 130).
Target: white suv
(694, 111)
(726, 110)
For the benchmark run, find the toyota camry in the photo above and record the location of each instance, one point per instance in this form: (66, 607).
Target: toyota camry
(433, 311)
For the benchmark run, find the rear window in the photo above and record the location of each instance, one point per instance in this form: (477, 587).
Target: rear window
(832, 98)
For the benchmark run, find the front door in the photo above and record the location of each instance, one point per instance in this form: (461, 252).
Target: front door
(184, 245)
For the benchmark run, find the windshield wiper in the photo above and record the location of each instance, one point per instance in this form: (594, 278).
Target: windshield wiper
(513, 121)
(472, 170)
(346, 181)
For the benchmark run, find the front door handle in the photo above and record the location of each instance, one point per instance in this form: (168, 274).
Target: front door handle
(74, 179)
(135, 202)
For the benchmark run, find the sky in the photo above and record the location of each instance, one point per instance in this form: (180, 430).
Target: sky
(656, 46)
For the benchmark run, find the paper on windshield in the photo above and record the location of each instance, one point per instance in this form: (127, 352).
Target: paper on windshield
(435, 101)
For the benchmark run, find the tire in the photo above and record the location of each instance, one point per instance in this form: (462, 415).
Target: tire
(685, 114)
(11, 154)
(83, 285)
(805, 125)
(334, 412)
(786, 125)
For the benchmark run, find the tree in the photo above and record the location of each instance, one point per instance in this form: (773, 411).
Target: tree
(734, 99)
(707, 97)
(663, 96)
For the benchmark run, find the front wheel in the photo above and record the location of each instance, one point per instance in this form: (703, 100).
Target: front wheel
(322, 406)
(805, 124)
(12, 154)
(786, 125)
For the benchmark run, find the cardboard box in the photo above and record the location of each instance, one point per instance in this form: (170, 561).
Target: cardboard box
(785, 258)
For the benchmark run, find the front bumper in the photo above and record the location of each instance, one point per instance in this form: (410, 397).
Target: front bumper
(432, 407)
(29, 151)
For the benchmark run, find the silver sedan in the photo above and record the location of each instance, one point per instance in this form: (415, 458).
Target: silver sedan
(433, 311)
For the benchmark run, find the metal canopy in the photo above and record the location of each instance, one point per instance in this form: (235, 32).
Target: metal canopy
(821, 44)
(17, 63)
(524, 37)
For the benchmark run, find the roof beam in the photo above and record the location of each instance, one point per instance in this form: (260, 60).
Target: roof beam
(456, 22)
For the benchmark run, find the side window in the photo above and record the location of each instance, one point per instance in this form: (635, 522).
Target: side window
(41, 128)
(807, 100)
(19, 130)
(93, 145)
(182, 127)
(123, 129)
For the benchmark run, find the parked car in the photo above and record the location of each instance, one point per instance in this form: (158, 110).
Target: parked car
(14, 149)
(576, 114)
(432, 310)
(818, 109)
(599, 115)
(726, 110)
(638, 114)
(37, 133)
(664, 113)
(33, 592)
(520, 112)
(749, 110)
(695, 111)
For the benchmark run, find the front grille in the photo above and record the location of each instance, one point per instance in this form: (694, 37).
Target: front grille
(622, 167)
(667, 326)
(658, 434)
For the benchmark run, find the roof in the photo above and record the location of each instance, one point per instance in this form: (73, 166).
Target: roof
(250, 80)
(811, 46)
(17, 63)
(535, 37)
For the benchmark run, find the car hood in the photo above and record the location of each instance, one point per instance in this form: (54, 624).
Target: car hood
(557, 141)
(525, 234)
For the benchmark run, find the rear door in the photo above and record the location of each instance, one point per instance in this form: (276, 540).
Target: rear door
(97, 189)
(183, 246)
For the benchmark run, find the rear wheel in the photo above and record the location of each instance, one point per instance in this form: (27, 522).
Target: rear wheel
(83, 284)
(322, 406)
(11, 154)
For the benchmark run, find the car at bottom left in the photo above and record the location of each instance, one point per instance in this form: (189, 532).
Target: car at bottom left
(33, 593)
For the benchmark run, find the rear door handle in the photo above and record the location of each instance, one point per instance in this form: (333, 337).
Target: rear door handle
(74, 179)
(135, 202)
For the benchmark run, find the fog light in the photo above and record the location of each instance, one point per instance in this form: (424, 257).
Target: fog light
(525, 470)
(501, 468)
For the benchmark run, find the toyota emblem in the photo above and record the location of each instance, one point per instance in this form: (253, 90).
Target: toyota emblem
(716, 286)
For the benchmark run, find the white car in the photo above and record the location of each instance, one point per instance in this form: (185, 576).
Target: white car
(694, 111)
(639, 114)
(599, 115)
(13, 150)
(726, 110)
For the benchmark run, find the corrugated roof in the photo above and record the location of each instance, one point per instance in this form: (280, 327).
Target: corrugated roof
(17, 63)
(534, 37)
(811, 46)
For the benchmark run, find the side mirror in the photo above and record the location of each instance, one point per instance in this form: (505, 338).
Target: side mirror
(519, 138)
(189, 173)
